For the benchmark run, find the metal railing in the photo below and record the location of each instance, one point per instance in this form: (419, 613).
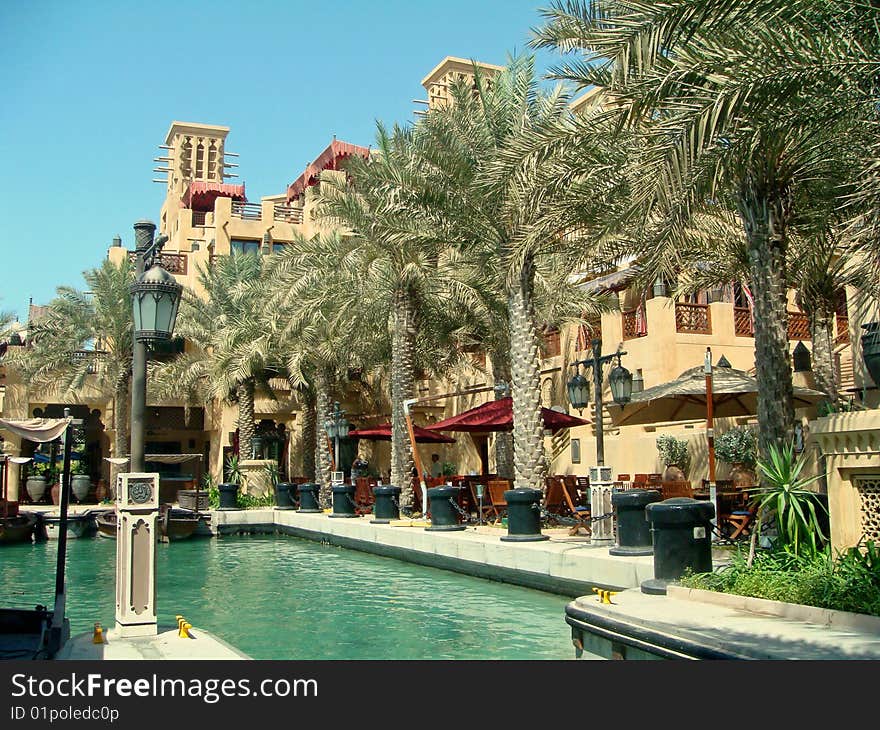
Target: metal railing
(693, 318)
(247, 211)
(288, 213)
(199, 217)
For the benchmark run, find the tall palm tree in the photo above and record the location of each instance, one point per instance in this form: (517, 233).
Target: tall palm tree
(85, 337)
(229, 355)
(503, 212)
(725, 95)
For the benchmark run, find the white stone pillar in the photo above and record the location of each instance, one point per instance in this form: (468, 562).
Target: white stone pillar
(602, 532)
(137, 509)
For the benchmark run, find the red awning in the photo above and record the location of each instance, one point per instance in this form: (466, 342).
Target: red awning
(329, 159)
(201, 194)
(383, 433)
(497, 415)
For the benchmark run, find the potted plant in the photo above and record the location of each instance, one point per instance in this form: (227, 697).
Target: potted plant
(80, 482)
(228, 490)
(37, 481)
(738, 448)
(675, 456)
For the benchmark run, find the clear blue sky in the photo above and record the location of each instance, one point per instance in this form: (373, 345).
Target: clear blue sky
(90, 88)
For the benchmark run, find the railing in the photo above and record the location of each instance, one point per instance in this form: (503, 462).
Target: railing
(92, 357)
(635, 324)
(693, 318)
(173, 263)
(798, 326)
(199, 217)
(288, 213)
(247, 211)
(742, 322)
(842, 330)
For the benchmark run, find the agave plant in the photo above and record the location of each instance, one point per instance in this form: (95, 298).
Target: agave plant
(783, 493)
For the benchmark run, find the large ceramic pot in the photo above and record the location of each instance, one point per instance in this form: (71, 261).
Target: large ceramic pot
(80, 484)
(36, 487)
(742, 476)
(674, 474)
(871, 349)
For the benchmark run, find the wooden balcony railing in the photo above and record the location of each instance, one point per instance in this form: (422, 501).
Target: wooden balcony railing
(742, 322)
(551, 343)
(693, 318)
(173, 263)
(798, 326)
(247, 211)
(288, 213)
(635, 324)
(842, 337)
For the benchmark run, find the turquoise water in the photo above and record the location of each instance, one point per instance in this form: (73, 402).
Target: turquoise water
(276, 597)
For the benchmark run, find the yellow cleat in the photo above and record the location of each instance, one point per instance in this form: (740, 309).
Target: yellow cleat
(183, 631)
(98, 636)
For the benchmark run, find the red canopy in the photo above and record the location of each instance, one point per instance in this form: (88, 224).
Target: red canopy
(329, 159)
(201, 194)
(497, 415)
(383, 433)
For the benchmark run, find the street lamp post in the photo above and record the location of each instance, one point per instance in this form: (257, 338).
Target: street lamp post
(620, 380)
(155, 299)
(337, 427)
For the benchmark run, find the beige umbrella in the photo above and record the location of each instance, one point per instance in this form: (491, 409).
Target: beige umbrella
(734, 393)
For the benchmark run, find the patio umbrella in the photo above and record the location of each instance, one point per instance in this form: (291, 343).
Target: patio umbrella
(734, 393)
(383, 433)
(497, 415)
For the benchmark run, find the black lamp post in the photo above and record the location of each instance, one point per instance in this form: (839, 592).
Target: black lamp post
(337, 427)
(620, 380)
(155, 298)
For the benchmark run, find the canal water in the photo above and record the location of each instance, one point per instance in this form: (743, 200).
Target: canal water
(278, 597)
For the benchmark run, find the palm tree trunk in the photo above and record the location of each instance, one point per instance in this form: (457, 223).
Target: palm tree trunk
(503, 439)
(121, 401)
(246, 427)
(309, 432)
(530, 466)
(764, 216)
(821, 324)
(323, 464)
(402, 386)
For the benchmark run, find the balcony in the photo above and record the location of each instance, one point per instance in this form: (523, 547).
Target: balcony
(742, 322)
(693, 318)
(173, 263)
(798, 326)
(550, 343)
(247, 211)
(92, 358)
(635, 323)
(288, 213)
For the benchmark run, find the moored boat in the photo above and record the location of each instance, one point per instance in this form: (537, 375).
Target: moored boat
(106, 524)
(78, 525)
(19, 528)
(174, 524)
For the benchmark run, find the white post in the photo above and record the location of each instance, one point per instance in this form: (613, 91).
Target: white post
(602, 532)
(137, 509)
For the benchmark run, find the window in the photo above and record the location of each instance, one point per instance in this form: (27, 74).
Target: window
(279, 247)
(244, 245)
(575, 445)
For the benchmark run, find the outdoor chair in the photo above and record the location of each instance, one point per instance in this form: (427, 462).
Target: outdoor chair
(554, 499)
(640, 481)
(676, 489)
(497, 488)
(580, 512)
(488, 508)
(583, 483)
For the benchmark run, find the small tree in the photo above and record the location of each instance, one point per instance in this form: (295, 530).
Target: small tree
(674, 452)
(737, 446)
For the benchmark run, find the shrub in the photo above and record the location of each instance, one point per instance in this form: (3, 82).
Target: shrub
(673, 451)
(737, 446)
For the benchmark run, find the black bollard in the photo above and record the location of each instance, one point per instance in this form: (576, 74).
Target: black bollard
(387, 505)
(523, 515)
(308, 498)
(444, 517)
(228, 496)
(633, 528)
(343, 500)
(283, 497)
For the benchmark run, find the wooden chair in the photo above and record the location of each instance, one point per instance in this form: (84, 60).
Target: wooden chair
(655, 478)
(554, 499)
(578, 511)
(583, 483)
(488, 508)
(676, 489)
(640, 481)
(497, 488)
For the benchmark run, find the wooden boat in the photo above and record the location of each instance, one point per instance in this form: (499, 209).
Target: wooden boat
(80, 525)
(174, 524)
(19, 528)
(106, 523)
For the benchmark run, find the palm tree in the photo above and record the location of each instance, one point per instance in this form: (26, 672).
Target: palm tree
(725, 95)
(503, 211)
(230, 355)
(86, 337)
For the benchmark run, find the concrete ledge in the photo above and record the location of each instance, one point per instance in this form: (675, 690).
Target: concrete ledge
(165, 645)
(564, 565)
(794, 611)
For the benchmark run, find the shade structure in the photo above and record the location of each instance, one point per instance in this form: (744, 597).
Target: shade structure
(497, 415)
(383, 433)
(734, 393)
